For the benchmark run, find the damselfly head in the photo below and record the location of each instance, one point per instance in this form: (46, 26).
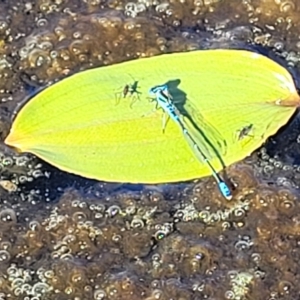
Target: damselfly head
(158, 89)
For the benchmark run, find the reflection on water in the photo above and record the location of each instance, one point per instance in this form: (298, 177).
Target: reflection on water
(103, 241)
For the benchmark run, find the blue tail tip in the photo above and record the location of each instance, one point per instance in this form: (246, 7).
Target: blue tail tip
(225, 190)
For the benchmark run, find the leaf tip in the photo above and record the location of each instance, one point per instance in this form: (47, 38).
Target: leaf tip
(12, 141)
(293, 101)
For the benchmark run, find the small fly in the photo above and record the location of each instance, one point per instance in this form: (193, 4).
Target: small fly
(244, 132)
(129, 91)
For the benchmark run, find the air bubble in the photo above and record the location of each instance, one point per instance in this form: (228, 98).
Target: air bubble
(239, 213)
(5, 245)
(37, 173)
(17, 282)
(116, 238)
(34, 225)
(83, 58)
(68, 290)
(99, 294)
(77, 277)
(69, 239)
(77, 35)
(75, 203)
(78, 47)
(130, 210)
(79, 217)
(129, 25)
(49, 274)
(7, 162)
(26, 288)
(3, 26)
(242, 245)
(159, 235)
(22, 179)
(287, 168)
(42, 22)
(284, 287)
(287, 6)
(114, 210)
(204, 215)
(67, 256)
(4, 256)
(137, 223)
(8, 216)
(229, 295)
(12, 271)
(17, 291)
(53, 54)
(162, 7)
(256, 257)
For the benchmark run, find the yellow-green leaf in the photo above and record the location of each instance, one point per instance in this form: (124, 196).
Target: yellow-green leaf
(232, 100)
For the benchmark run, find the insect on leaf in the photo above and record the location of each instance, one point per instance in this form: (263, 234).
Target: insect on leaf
(78, 126)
